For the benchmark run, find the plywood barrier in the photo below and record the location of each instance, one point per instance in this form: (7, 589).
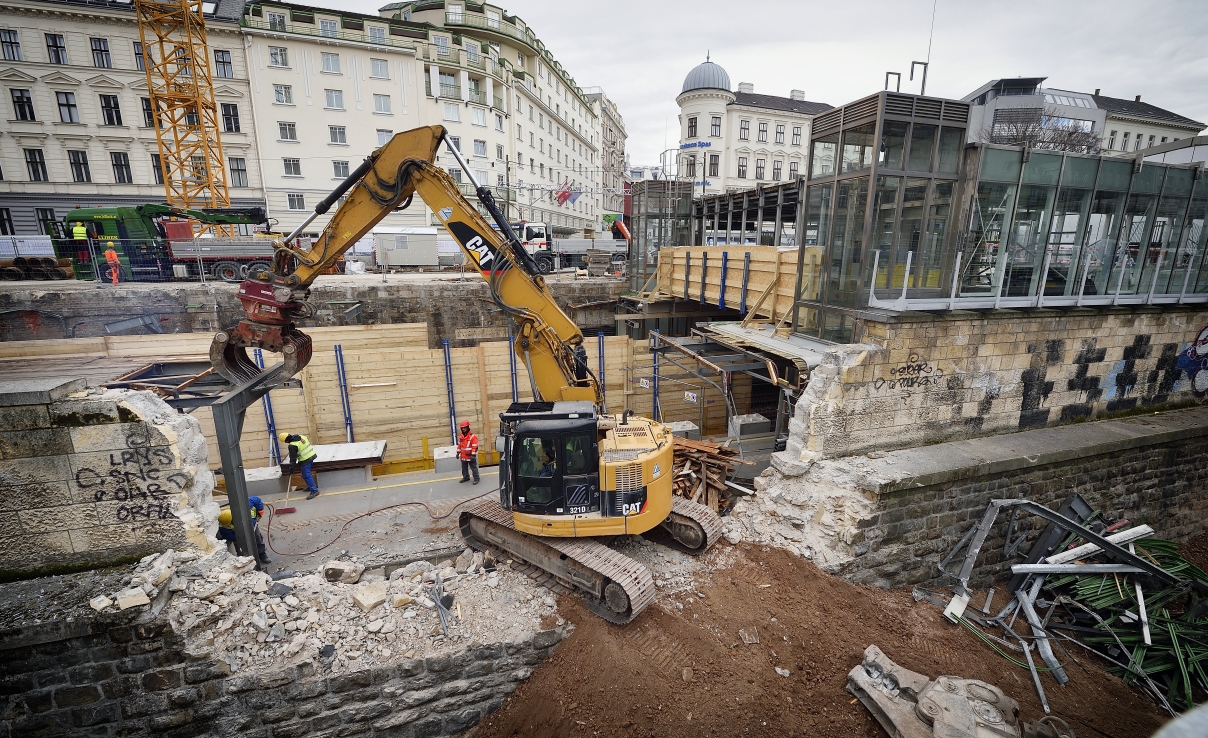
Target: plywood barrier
(771, 280)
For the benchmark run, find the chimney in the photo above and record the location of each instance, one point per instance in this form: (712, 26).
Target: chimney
(1097, 90)
(797, 95)
(747, 87)
(1137, 98)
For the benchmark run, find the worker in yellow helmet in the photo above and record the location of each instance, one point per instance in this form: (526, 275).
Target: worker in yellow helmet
(301, 459)
(226, 527)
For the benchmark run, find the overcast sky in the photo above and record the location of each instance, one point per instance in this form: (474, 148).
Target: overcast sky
(837, 51)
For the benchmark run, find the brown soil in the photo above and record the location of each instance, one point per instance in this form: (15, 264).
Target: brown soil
(606, 680)
(1196, 551)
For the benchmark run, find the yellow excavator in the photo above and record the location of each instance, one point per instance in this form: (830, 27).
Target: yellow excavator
(571, 476)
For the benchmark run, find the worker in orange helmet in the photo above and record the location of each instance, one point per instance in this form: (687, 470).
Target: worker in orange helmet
(467, 451)
(115, 264)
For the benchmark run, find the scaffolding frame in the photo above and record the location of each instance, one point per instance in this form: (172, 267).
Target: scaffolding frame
(179, 79)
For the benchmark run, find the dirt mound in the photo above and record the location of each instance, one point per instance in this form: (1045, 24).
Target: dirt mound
(1196, 551)
(688, 671)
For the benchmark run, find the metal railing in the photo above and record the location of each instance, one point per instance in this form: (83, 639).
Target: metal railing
(499, 102)
(302, 29)
(478, 96)
(478, 20)
(476, 62)
(115, 261)
(450, 91)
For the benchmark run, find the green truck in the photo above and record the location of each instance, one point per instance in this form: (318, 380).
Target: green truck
(155, 243)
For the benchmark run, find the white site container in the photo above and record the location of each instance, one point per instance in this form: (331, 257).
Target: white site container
(401, 246)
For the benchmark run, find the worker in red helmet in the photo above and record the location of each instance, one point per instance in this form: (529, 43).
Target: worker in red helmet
(467, 451)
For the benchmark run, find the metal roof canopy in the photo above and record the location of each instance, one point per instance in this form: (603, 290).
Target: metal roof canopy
(185, 385)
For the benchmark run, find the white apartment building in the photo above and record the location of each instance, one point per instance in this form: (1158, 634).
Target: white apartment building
(77, 125)
(613, 160)
(735, 140)
(1132, 125)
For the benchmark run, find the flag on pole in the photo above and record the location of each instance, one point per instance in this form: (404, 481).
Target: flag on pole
(575, 195)
(563, 192)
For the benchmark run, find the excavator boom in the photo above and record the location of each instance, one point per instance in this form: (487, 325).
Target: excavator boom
(547, 341)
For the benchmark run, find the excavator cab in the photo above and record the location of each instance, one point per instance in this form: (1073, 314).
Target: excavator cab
(552, 458)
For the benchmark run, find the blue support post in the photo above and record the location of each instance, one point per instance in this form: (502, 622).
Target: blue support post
(600, 379)
(687, 271)
(746, 278)
(721, 295)
(449, 389)
(345, 400)
(274, 448)
(512, 363)
(655, 411)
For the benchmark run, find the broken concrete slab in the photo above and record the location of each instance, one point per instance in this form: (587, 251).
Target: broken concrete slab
(369, 596)
(133, 597)
(345, 572)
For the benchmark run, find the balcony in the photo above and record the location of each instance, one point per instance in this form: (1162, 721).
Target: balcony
(450, 91)
(480, 21)
(303, 29)
(498, 102)
(476, 62)
(478, 96)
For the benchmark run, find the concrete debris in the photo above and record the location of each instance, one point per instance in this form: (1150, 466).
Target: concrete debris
(749, 637)
(401, 600)
(463, 563)
(100, 602)
(132, 598)
(345, 572)
(783, 672)
(260, 621)
(369, 596)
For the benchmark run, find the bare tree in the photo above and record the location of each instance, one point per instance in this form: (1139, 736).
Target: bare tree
(1041, 128)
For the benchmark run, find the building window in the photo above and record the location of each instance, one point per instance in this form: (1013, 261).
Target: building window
(283, 94)
(339, 169)
(230, 118)
(480, 147)
(442, 45)
(148, 118)
(197, 168)
(520, 60)
(792, 170)
(140, 61)
(1163, 139)
(79, 166)
(10, 44)
(1124, 143)
(335, 99)
(452, 111)
(377, 35)
(223, 66)
(337, 135)
(777, 170)
(100, 53)
(68, 112)
(742, 167)
(384, 136)
(56, 48)
(455, 173)
(690, 166)
(328, 28)
(779, 133)
(796, 135)
(278, 56)
(379, 69)
(381, 103)
(744, 130)
(498, 122)
(759, 168)
(715, 127)
(499, 152)
(238, 171)
(692, 127)
(331, 63)
(276, 21)
(23, 105)
(191, 117)
(519, 133)
(500, 181)
(763, 133)
(472, 52)
(714, 162)
(296, 200)
(1137, 142)
(1111, 141)
(35, 165)
(121, 167)
(44, 216)
(286, 131)
(480, 117)
(111, 112)
(6, 223)
(453, 142)
(157, 169)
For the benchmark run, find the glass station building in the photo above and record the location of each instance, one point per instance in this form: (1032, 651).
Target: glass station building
(905, 215)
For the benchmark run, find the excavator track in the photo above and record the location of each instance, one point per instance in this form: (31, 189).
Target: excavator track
(693, 527)
(613, 586)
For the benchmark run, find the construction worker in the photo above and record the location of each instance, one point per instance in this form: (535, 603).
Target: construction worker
(301, 458)
(467, 451)
(226, 527)
(115, 264)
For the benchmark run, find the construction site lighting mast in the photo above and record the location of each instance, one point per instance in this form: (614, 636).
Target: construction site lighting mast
(177, 61)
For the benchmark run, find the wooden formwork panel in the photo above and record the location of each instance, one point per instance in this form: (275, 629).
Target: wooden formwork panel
(772, 271)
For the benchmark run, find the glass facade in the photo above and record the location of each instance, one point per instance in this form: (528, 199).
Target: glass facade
(906, 216)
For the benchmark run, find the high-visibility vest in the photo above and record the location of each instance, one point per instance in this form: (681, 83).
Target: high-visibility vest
(467, 446)
(305, 450)
(111, 256)
(80, 233)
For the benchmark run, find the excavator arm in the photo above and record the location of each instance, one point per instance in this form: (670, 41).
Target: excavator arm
(546, 340)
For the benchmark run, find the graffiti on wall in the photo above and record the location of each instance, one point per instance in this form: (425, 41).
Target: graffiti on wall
(916, 373)
(1193, 361)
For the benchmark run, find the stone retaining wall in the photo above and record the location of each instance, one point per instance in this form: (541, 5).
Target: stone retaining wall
(114, 675)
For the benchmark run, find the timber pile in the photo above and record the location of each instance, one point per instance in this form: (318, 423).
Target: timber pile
(701, 469)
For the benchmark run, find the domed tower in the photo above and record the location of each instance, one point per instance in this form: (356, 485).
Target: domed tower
(703, 120)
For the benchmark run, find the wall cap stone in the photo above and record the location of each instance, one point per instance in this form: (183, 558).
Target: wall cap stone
(40, 391)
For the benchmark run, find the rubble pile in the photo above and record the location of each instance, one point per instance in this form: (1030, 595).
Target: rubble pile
(342, 617)
(701, 469)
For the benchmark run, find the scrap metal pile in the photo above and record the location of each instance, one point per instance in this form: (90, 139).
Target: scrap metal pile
(1089, 584)
(701, 471)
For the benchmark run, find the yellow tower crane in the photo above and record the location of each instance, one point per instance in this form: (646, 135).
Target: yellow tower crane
(177, 60)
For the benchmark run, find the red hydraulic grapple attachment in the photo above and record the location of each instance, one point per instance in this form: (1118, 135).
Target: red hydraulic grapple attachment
(269, 326)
